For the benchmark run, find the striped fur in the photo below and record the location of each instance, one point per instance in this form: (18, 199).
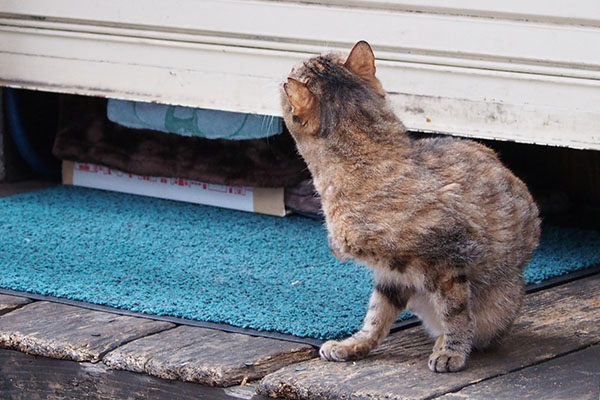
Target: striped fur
(445, 226)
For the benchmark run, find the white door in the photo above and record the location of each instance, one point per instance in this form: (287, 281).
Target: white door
(525, 70)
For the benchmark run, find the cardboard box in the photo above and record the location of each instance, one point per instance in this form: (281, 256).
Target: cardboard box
(245, 198)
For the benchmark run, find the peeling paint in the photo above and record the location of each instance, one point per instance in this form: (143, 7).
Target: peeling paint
(414, 110)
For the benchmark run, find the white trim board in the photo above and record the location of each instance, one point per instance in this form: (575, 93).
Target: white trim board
(510, 71)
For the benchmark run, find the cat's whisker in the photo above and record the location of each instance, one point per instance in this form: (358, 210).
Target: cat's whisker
(263, 122)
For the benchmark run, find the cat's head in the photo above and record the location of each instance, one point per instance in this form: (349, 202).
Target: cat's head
(328, 91)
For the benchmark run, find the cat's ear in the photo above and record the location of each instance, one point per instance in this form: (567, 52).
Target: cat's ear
(301, 98)
(361, 62)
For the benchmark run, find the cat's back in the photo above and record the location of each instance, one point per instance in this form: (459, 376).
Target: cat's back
(453, 158)
(475, 170)
(475, 185)
(441, 188)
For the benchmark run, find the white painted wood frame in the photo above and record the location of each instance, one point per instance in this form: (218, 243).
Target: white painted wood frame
(527, 71)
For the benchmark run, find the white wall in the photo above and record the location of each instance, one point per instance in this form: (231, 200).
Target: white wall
(516, 70)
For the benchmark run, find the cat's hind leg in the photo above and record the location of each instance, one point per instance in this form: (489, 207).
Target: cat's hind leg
(385, 306)
(452, 302)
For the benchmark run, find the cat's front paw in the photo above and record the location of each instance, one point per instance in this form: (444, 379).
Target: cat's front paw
(340, 351)
(446, 361)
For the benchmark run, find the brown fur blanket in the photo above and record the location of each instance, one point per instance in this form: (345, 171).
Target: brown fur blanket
(86, 135)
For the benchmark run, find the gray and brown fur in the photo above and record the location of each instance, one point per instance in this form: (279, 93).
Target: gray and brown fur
(445, 226)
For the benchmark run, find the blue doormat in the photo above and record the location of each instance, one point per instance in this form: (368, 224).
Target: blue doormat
(202, 263)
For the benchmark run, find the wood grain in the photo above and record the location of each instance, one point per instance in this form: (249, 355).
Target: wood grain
(207, 356)
(26, 377)
(9, 303)
(574, 376)
(552, 322)
(73, 333)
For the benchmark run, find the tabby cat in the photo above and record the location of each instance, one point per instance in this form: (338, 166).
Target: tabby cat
(445, 226)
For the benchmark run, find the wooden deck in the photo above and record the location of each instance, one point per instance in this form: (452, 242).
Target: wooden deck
(58, 351)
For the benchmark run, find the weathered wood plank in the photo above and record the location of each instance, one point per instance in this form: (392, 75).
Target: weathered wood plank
(26, 377)
(574, 376)
(207, 356)
(9, 303)
(73, 333)
(552, 322)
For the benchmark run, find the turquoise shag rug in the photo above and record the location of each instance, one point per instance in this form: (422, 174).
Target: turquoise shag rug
(203, 263)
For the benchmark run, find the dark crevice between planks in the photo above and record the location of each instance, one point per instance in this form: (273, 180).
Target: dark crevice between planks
(207, 356)
(398, 326)
(6, 311)
(15, 306)
(450, 390)
(66, 332)
(553, 323)
(573, 376)
(162, 349)
(28, 377)
(165, 318)
(524, 367)
(156, 336)
(127, 341)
